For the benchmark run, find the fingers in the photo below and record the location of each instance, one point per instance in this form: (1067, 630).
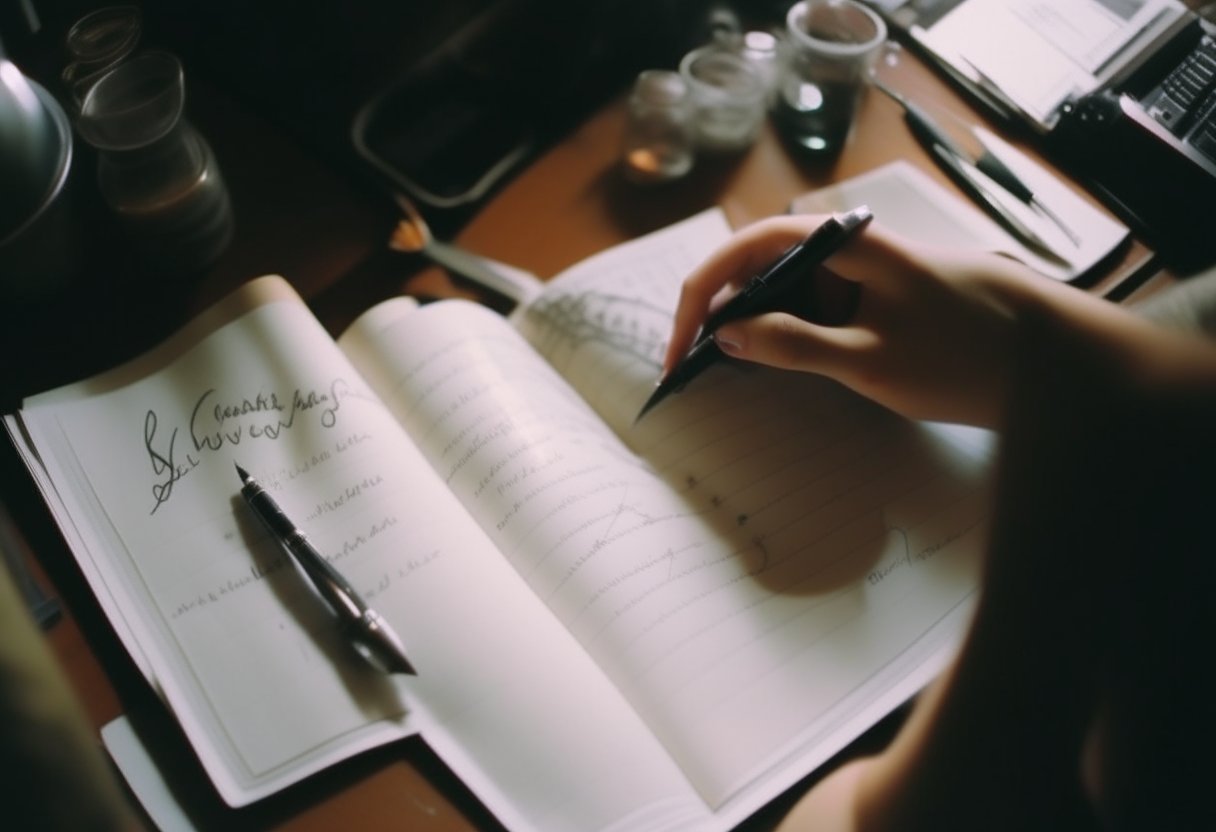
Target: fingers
(876, 258)
(744, 255)
(879, 255)
(787, 342)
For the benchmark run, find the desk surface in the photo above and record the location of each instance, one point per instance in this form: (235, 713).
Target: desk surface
(328, 238)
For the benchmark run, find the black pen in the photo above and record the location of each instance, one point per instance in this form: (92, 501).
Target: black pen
(368, 632)
(967, 177)
(931, 135)
(763, 293)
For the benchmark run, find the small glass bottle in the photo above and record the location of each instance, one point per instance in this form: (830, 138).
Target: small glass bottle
(154, 169)
(659, 138)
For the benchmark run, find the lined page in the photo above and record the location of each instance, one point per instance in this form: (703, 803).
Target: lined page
(762, 570)
(820, 538)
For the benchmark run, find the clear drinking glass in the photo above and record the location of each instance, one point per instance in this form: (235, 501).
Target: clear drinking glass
(833, 44)
(154, 169)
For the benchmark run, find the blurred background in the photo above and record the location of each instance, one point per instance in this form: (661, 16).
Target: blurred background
(445, 98)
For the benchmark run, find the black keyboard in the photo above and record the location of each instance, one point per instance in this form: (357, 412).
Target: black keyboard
(1185, 101)
(1187, 92)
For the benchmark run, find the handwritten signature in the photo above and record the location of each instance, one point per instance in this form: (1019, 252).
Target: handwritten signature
(164, 463)
(215, 423)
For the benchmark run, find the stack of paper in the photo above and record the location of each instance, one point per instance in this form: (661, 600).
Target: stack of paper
(1035, 55)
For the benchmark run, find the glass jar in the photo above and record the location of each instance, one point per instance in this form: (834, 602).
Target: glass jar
(729, 98)
(155, 171)
(659, 141)
(97, 43)
(833, 46)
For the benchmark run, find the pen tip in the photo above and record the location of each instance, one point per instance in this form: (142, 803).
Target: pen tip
(657, 396)
(242, 473)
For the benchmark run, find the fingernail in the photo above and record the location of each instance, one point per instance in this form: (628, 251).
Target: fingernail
(727, 345)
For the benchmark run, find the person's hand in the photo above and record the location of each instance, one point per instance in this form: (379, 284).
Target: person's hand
(930, 334)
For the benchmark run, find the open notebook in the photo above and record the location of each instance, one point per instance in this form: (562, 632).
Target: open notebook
(658, 626)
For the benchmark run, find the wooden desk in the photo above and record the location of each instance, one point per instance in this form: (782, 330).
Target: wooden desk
(574, 202)
(328, 238)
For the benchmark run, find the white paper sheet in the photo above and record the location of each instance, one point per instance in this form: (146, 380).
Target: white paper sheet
(1036, 54)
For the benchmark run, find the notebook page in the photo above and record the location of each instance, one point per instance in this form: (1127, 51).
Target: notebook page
(801, 490)
(566, 751)
(262, 290)
(757, 614)
(230, 630)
